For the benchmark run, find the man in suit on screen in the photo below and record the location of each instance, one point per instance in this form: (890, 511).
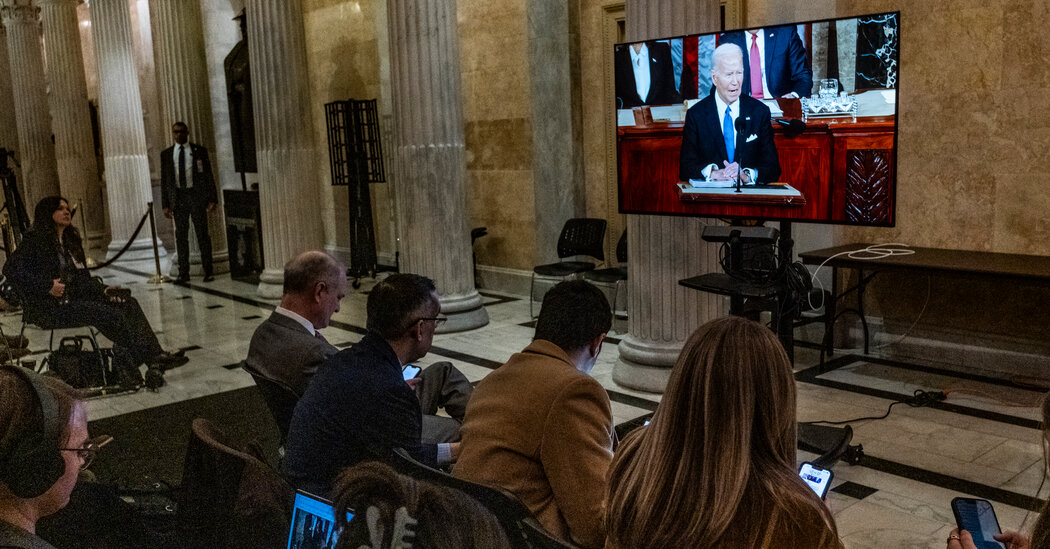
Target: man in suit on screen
(781, 68)
(645, 75)
(728, 133)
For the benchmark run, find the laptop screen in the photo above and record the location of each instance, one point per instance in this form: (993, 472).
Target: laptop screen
(313, 523)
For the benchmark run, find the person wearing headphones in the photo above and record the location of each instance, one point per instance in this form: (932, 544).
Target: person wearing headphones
(44, 446)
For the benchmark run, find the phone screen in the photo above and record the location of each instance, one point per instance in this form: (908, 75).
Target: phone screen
(410, 371)
(977, 517)
(818, 479)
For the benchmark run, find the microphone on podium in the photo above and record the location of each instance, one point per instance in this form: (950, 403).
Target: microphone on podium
(739, 124)
(792, 127)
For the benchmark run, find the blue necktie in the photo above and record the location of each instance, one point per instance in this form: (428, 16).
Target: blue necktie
(727, 132)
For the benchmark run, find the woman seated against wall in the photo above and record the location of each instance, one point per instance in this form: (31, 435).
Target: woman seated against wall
(1040, 538)
(49, 275)
(43, 447)
(394, 510)
(716, 467)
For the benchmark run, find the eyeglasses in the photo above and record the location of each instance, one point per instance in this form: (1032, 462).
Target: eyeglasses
(438, 320)
(90, 449)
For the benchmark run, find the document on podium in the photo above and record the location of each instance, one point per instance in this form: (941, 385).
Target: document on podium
(771, 194)
(711, 184)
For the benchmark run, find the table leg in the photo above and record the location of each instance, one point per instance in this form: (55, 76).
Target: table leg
(861, 283)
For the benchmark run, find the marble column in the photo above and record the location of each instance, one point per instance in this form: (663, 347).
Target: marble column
(284, 137)
(71, 118)
(554, 85)
(8, 122)
(182, 75)
(663, 250)
(123, 131)
(433, 219)
(36, 152)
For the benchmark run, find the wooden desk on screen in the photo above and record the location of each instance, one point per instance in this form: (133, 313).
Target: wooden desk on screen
(844, 169)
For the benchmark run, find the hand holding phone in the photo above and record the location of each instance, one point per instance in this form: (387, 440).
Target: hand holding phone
(410, 371)
(977, 517)
(818, 479)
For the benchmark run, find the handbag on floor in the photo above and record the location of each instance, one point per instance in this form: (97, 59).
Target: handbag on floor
(80, 365)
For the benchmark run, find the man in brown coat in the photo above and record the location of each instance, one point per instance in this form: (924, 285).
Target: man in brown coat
(540, 426)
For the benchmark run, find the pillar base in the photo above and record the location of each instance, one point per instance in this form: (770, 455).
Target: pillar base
(271, 284)
(139, 250)
(464, 312)
(645, 366)
(220, 263)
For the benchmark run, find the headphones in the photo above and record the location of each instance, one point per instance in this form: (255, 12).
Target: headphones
(34, 463)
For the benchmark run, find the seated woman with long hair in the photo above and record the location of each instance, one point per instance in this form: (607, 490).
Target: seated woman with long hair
(716, 467)
(48, 272)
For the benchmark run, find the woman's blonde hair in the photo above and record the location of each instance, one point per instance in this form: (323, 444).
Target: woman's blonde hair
(716, 467)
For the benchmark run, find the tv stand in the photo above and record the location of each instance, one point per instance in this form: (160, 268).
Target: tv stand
(751, 292)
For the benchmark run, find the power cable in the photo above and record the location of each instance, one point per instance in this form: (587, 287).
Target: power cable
(918, 399)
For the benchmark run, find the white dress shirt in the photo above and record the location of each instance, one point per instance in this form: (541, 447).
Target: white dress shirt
(189, 164)
(298, 318)
(642, 78)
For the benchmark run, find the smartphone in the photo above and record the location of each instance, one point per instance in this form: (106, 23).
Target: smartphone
(977, 517)
(818, 479)
(410, 371)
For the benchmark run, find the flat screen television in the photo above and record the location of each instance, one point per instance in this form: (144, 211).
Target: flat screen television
(696, 136)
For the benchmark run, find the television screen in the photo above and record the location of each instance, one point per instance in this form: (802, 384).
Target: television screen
(792, 122)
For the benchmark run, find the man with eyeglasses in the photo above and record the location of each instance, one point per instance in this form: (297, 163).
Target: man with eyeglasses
(359, 406)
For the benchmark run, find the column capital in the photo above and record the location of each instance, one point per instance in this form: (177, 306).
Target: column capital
(19, 11)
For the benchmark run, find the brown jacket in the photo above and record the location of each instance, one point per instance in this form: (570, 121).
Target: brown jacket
(542, 429)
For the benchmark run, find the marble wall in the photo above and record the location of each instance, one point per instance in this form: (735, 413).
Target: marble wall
(973, 142)
(348, 57)
(498, 133)
(344, 61)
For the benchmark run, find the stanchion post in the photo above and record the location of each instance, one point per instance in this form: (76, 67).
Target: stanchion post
(158, 278)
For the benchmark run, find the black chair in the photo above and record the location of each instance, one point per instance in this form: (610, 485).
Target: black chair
(613, 275)
(44, 321)
(580, 236)
(228, 497)
(475, 234)
(509, 511)
(538, 538)
(280, 399)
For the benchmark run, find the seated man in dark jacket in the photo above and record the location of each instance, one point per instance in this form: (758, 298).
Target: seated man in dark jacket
(358, 405)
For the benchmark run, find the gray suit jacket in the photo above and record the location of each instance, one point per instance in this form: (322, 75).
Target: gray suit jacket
(283, 351)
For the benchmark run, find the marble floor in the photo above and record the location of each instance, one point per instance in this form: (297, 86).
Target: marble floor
(983, 441)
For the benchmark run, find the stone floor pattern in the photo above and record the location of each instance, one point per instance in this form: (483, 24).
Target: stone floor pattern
(973, 444)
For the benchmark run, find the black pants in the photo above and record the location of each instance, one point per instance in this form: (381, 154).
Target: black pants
(189, 207)
(123, 323)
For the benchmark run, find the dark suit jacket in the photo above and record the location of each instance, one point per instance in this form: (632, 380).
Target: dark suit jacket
(200, 171)
(784, 61)
(661, 75)
(542, 429)
(702, 141)
(282, 350)
(357, 407)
